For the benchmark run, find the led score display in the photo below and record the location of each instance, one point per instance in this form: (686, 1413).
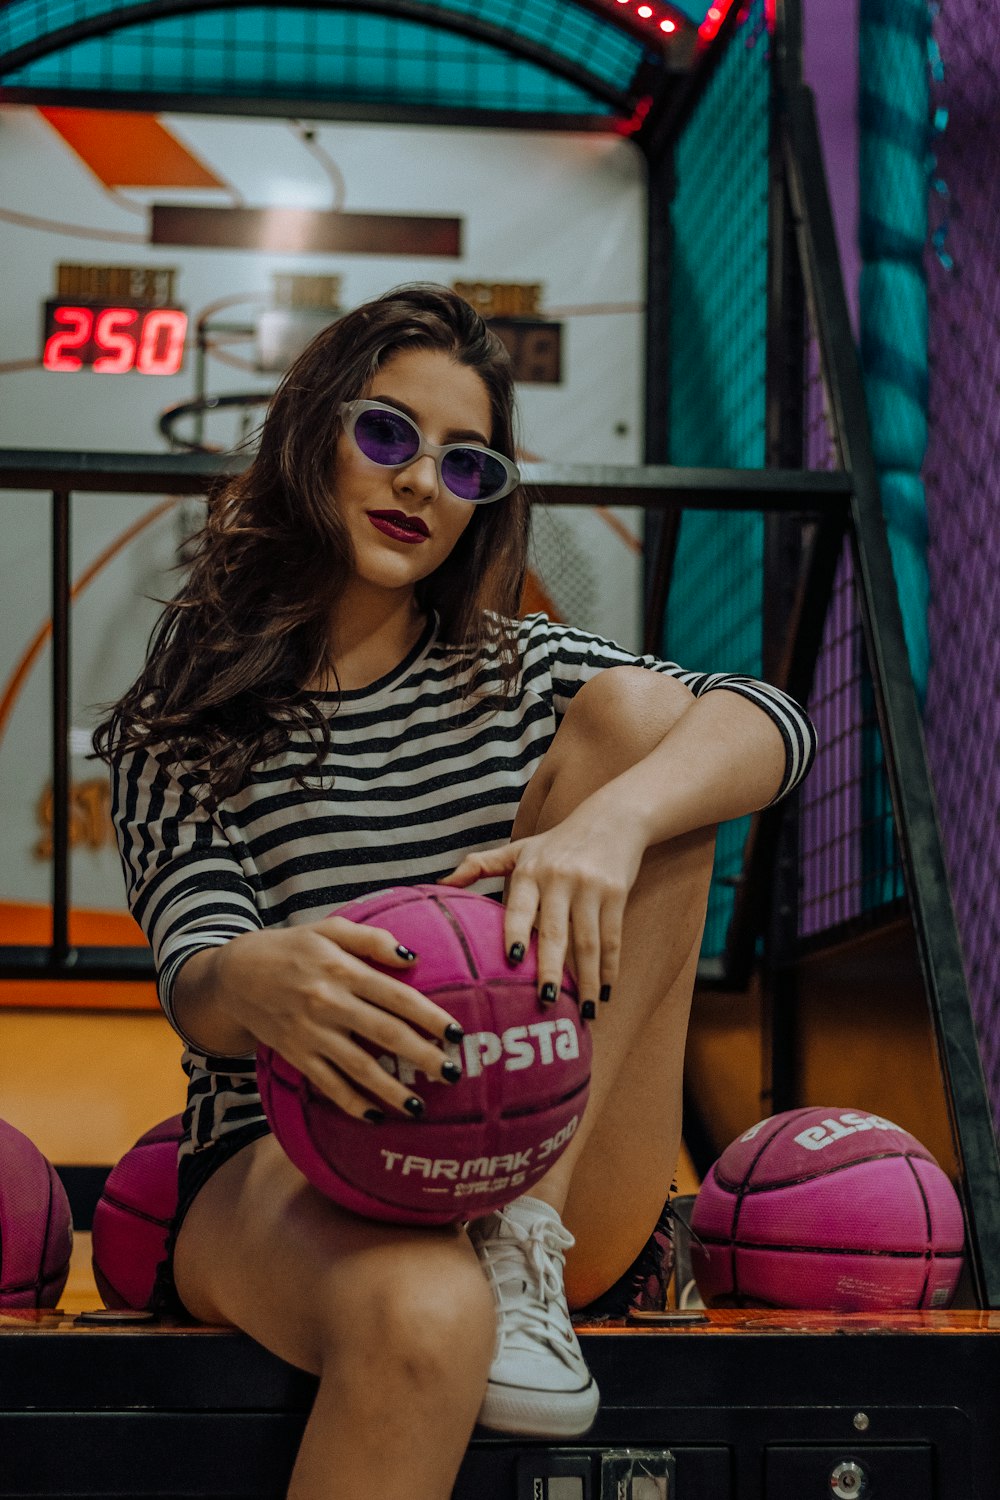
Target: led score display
(113, 338)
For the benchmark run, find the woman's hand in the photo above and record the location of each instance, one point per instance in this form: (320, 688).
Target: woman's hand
(305, 990)
(572, 883)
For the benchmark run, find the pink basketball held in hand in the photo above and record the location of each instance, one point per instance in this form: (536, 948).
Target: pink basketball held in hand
(482, 1141)
(36, 1226)
(133, 1216)
(827, 1209)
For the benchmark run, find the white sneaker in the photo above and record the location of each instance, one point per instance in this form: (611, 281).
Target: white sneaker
(539, 1383)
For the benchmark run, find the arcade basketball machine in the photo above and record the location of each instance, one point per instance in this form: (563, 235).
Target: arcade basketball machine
(761, 489)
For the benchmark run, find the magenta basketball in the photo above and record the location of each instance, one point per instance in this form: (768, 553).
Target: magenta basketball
(481, 1141)
(827, 1208)
(133, 1215)
(36, 1226)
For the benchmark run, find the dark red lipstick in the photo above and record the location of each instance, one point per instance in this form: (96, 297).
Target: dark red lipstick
(398, 525)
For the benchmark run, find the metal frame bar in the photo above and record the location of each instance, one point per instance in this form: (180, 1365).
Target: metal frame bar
(801, 492)
(772, 869)
(60, 727)
(660, 531)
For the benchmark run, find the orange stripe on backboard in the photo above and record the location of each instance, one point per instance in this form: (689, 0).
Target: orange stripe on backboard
(22, 922)
(123, 149)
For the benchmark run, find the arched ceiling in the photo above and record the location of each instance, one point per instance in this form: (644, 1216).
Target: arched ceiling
(557, 62)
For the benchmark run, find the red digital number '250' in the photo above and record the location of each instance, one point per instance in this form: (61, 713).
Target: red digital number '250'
(114, 340)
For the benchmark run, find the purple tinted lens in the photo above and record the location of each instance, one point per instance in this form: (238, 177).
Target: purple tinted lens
(386, 437)
(472, 473)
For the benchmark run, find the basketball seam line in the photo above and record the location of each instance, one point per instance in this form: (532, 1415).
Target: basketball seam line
(743, 1189)
(456, 927)
(137, 1213)
(930, 1253)
(927, 1218)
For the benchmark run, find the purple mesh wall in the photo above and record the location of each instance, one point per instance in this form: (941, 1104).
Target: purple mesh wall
(830, 803)
(849, 858)
(962, 477)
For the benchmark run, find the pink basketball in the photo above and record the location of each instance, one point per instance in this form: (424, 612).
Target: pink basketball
(36, 1225)
(481, 1141)
(132, 1217)
(827, 1208)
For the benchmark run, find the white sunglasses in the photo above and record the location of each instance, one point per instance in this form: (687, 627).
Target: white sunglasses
(387, 437)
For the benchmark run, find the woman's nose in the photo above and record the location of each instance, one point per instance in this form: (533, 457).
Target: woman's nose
(418, 478)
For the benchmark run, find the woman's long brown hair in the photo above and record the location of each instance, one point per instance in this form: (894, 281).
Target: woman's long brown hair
(222, 686)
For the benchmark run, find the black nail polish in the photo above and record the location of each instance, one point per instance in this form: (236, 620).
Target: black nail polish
(547, 994)
(605, 992)
(588, 1010)
(414, 1106)
(453, 1032)
(516, 953)
(404, 952)
(375, 1115)
(450, 1072)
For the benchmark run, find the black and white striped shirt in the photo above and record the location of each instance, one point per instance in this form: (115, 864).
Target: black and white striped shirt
(418, 775)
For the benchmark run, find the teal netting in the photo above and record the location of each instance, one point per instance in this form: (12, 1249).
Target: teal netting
(351, 55)
(894, 113)
(717, 383)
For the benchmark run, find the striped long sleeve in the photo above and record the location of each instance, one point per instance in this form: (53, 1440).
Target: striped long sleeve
(185, 884)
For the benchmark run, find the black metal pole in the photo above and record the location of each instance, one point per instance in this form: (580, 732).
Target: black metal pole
(776, 866)
(659, 529)
(60, 725)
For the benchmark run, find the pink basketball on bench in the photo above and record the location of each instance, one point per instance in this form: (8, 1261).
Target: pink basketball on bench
(827, 1208)
(132, 1218)
(483, 1140)
(36, 1226)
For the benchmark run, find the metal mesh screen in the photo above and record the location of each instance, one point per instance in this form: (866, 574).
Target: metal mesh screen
(850, 861)
(962, 476)
(717, 381)
(350, 55)
(849, 857)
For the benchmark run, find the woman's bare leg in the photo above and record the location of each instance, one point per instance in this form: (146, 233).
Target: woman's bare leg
(397, 1323)
(611, 1182)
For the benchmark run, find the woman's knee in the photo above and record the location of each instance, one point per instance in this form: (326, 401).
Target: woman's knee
(626, 710)
(420, 1317)
(616, 719)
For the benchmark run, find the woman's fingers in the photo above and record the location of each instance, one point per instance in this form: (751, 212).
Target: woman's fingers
(553, 939)
(361, 945)
(612, 922)
(347, 1069)
(588, 947)
(366, 941)
(583, 925)
(499, 861)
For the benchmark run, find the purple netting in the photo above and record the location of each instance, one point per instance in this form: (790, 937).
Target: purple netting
(962, 477)
(830, 803)
(849, 859)
(830, 806)
(819, 444)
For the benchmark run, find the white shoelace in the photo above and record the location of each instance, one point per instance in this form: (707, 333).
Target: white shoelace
(527, 1271)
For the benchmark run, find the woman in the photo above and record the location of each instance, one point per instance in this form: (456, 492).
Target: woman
(340, 698)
